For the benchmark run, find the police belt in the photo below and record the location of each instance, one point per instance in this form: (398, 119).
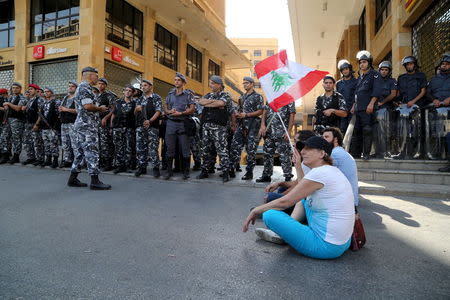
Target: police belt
(176, 120)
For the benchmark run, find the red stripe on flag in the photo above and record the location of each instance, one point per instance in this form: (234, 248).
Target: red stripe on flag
(271, 63)
(298, 90)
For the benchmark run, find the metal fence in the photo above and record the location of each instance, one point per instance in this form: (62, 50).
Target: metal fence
(6, 77)
(119, 76)
(54, 74)
(431, 36)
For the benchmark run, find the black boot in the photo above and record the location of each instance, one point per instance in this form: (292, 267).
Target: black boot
(225, 176)
(54, 162)
(74, 182)
(231, 173)
(264, 178)
(169, 168)
(156, 172)
(197, 166)
(28, 161)
(203, 174)
(186, 166)
(47, 162)
(4, 158)
(141, 171)
(248, 176)
(96, 184)
(14, 159)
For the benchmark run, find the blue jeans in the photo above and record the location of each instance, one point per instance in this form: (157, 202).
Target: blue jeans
(278, 194)
(301, 237)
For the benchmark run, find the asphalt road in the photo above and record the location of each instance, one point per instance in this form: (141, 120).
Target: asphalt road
(151, 239)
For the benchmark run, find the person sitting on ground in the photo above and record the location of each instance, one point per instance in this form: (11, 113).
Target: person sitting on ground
(327, 207)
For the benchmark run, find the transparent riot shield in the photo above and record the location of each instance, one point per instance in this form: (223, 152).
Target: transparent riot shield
(382, 133)
(437, 125)
(408, 131)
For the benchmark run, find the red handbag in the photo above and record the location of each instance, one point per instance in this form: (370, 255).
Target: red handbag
(358, 236)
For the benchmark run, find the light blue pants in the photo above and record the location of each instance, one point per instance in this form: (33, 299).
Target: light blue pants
(300, 236)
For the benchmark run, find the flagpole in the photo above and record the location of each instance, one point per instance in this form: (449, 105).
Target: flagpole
(285, 129)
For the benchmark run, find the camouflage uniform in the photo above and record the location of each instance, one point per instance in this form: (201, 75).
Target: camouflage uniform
(274, 141)
(49, 110)
(323, 102)
(215, 132)
(85, 143)
(196, 139)
(247, 131)
(2, 116)
(32, 140)
(124, 136)
(67, 134)
(147, 139)
(106, 145)
(13, 130)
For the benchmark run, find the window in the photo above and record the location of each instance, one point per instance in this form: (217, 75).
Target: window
(362, 31)
(213, 69)
(193, 63)
(7, 24)
(270, 52)
(124, 25)
(166, 48)
(245, 51)
(119, 76)
(52, 19)
(257, 53)
(383, 10)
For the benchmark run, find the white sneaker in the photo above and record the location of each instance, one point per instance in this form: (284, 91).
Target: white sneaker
(269, 236)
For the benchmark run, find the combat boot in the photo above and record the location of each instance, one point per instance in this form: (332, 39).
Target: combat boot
(231, 173)
(54, 162)
(74, 182)
(28, 161)
(248, 176)
(156, 172)
(225, 176)
(96, 184)
(4, 159)
(14, 159)
(186, 165)
(264, 178)
(169, 168)
(203, 174)
(141, 171)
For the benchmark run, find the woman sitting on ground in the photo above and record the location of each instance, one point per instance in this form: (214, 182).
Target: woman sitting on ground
(327, 207)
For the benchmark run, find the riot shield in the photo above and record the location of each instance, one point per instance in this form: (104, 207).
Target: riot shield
(382, 133)
(408, 131)
(437, 125)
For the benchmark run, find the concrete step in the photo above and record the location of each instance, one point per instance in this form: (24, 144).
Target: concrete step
(393, 164)
(404, 176)
(404, 189)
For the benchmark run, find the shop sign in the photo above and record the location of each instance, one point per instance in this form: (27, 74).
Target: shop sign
(130, 61)
(116, 54)
(39, 51)
(52, 50)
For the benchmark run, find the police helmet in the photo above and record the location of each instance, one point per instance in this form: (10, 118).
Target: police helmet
(364, 55)
(385, 64)
(445, 57)
(409, 59)
(343, 63)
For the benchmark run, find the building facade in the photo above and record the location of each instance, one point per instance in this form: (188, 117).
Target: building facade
(326, 31)
(49, 42)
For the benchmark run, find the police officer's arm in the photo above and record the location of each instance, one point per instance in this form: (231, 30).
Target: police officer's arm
(389, 98)
(291, 122)
(93, 108)
(422, 93)
(262, 128)
(13, 106)
(189, 111)
(214, 103)
(254, 114)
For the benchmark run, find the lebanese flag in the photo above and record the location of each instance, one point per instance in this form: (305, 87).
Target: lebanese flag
(284, 81)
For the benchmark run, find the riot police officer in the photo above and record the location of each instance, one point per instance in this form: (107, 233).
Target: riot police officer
(250, 108)
(86, 132)
(411, 93)
(384, 111)
(33, 143)
(48, 121)
(178, 107)
(368, 91)
(106, 146)
(346, 87)
(330, 106)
